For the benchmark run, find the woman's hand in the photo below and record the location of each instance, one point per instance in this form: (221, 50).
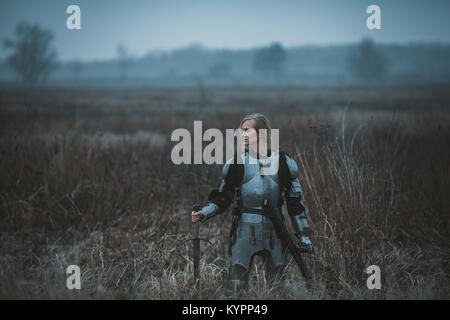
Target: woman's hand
(196, 216)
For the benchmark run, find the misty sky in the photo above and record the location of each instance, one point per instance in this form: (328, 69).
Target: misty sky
(144, 25)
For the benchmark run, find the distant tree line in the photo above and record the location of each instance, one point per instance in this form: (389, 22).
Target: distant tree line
(33, 57)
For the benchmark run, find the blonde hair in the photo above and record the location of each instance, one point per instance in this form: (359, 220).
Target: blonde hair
(261, 122)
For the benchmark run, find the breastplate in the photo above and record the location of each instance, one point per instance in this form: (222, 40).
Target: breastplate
(255, 186)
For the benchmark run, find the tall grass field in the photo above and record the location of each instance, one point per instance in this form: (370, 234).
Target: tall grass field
(87, 179)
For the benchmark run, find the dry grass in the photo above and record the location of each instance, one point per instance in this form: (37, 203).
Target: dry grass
(87, 180)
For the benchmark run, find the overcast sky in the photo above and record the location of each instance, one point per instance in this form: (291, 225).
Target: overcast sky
(144, 25)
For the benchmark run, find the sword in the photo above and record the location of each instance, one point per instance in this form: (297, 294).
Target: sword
(196, 252)
(280, 228)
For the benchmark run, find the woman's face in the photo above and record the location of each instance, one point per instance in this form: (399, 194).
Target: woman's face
(249, 133)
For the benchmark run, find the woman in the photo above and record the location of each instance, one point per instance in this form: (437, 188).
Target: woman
(252, 232)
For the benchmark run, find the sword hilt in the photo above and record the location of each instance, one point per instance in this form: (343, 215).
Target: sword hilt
(196, 208)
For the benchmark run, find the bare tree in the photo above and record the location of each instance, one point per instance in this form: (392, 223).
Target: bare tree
(33, 57)
(269, 60)
(367, 63)
(124, 59)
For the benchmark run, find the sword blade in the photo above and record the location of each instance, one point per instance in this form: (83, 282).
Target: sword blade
(196, 252)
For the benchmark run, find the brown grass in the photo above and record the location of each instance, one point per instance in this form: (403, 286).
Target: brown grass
(86, 179)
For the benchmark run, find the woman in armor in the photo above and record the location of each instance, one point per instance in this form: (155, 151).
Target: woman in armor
(253, 232)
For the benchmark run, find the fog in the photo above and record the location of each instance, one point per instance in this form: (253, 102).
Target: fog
(196, 43)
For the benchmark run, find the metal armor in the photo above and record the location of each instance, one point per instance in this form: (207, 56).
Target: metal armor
(255, 233)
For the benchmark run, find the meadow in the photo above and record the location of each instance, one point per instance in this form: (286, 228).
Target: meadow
(87, 180)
